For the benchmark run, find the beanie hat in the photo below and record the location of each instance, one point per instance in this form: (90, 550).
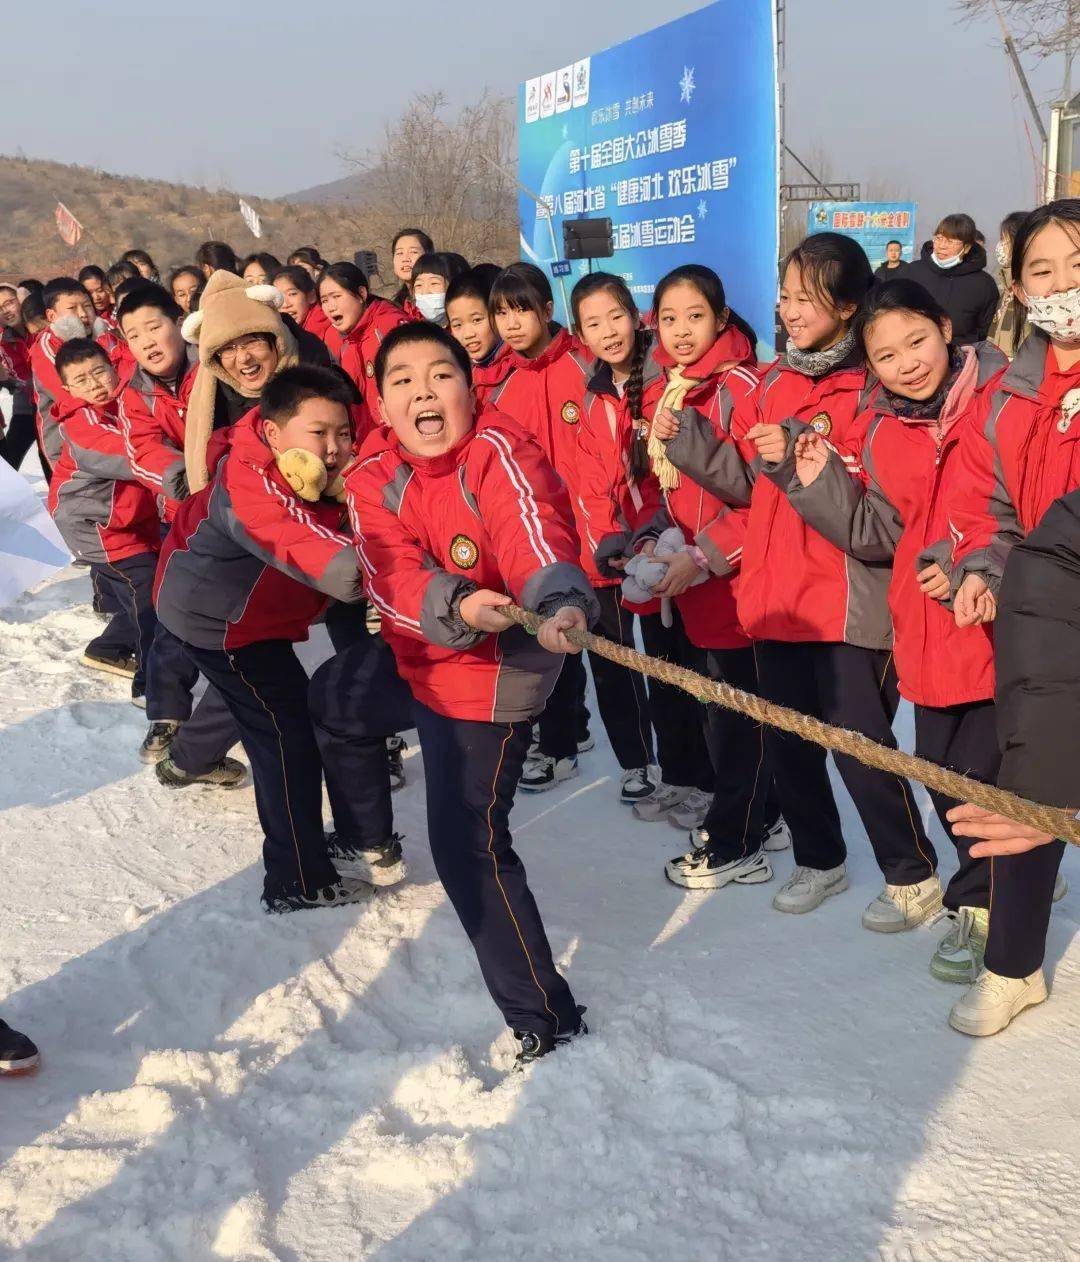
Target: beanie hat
(229, 308)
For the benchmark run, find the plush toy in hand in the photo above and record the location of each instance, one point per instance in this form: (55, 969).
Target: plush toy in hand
(643, 574)
(304, 472)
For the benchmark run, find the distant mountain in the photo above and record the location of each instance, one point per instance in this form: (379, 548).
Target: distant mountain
(169, 220)
(349, 190)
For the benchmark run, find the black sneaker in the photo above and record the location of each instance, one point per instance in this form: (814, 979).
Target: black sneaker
(585, 741)
(345, 890)
(378, 865)
(18, 1055)
(534, 1045)
(111, 663)
(230, 773)
(157, 740)
(395, 753)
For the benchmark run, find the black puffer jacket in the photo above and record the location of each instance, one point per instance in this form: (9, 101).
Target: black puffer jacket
(967, 291)
(1036, 649)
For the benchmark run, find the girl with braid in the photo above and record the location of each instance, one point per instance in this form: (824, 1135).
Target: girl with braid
(702, 364)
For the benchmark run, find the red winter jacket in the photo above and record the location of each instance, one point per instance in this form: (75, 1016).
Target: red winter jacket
(1021, 456)
(613, 504)
(486, 378)
(318, 322)
(247, 559)
(359, 347)
(794, 584)
(101, 511)
(152, 419)
(546, 396)
(48, 390)
(711, 410)
(489, 513)
(892, 506)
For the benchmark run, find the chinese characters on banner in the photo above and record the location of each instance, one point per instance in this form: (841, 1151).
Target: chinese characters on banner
(872, 224)
(673, 136)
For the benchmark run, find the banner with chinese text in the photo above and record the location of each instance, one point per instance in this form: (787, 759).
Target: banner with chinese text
(872, 224)
(673, 136)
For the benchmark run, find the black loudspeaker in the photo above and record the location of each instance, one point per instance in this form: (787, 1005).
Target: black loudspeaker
(367, 261)
(587, 239)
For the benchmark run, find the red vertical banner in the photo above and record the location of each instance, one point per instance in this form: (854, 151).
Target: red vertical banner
(67, 225)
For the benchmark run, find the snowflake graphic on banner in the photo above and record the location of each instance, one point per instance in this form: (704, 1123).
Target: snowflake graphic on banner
(687, 84)
(702, 209)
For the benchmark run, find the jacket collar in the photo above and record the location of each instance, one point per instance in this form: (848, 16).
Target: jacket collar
(560, 343)
(1026, 372)
(731, 348)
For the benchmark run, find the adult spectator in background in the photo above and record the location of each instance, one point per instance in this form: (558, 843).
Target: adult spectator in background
(894, 266)
(953, 270)
(408, 245)
(1010, 325)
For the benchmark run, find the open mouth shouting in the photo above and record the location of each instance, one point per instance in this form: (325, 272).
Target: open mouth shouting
(429, 423)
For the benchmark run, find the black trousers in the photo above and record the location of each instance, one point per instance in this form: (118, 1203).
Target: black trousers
(963, 737)
(357, 699)
(620, 695)
(265, 689)
(20, 437)
(472, 770)
(681, 749)
(208, 729)
(346, 625)
(853, 688)
(1021, 898)
(743, 804)
(128, 587)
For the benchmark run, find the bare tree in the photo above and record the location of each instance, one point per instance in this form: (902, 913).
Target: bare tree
(1046, 28)
(449, 175)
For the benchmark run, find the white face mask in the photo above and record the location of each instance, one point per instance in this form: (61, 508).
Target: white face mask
(432, 306)
(1003, 253)
(947, 263)
(1058, 315)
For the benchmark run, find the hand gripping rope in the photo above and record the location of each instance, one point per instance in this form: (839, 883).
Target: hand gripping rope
(1048, 819)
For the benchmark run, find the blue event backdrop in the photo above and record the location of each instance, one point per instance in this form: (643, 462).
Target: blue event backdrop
(673, 136)
(872, 224)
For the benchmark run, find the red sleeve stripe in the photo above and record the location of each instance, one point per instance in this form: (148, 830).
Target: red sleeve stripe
(141, 470)
(301, 516)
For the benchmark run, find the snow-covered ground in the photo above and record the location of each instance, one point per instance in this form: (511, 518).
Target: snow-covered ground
(332, 1086)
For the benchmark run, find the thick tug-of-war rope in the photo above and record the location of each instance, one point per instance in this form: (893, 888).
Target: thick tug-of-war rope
(1048, 819)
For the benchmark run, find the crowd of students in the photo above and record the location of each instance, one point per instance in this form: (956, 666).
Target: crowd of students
(249, 447)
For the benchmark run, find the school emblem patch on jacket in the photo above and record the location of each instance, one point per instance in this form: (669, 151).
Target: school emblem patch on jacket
(571, 413)
(370, 368)
(822, 424)
(463, 552)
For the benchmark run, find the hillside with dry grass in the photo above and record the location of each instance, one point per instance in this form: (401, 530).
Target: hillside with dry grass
(170, 220)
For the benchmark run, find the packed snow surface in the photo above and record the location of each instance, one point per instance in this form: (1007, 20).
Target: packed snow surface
(335, 1085)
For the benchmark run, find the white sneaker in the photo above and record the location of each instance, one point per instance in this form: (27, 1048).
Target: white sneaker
(778, 837)
(690, 814)
(992, 1002)
(661, 800)
(637, 785)
(699, 869)
(542, 773)
(1061, 888)
(900, 907)
(809, 888)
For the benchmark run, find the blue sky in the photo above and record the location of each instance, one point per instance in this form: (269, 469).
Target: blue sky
(264, 96)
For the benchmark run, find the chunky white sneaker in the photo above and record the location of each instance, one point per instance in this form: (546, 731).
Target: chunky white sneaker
(1061, 888)
(586, 741)
(664, 798)
(699, 869)
(378, 865)
(900, 907)
(691, 812)
(959, 956)
(809, 888)
(637, 785)
(777, 838)
(542, 773)
(992, 1002)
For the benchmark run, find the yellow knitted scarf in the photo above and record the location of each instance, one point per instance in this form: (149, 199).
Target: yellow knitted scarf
(678, 387)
